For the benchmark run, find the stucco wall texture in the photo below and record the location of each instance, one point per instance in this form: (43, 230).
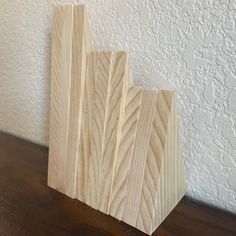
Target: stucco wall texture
(186, 45)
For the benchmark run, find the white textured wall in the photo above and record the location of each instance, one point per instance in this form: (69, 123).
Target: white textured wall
(184, 44)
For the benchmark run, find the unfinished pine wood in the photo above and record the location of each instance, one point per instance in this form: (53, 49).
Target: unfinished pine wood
(117, 85)
(171, 181)
(125, 152)
(103, 74)
(113, 145)
(81, 45)
(70, 44)
(155, 156)
(86, 129)
(141, 143)
(60, 95)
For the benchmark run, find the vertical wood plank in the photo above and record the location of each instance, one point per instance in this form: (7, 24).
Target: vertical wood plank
(81, 46)
(60, 94)
(136, 175)
(86, 128)
(155, 156)
(103, 74)
(171, 184)
(122, 167)
(68, 77)
(115, 106)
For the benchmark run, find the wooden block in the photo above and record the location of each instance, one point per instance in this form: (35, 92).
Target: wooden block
(103, 74)
(70, 44)
(110, 89)
(60, 95)
(171, 184)
(136, 172)
(86, 129)
(125, 152)
(154, 160)
(113, 146)
(114, 115)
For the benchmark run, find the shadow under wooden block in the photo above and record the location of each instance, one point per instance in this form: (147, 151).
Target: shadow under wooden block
(113, 145)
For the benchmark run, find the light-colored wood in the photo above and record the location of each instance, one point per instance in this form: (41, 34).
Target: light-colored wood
(155, 156)
(86, 129)
(103, 74)
(70, 45)
(110, 90)
(60, 95)
(125, 152)
(137, 168)
(113, 145)
(81, 45)
(117, 85)
(171, 184)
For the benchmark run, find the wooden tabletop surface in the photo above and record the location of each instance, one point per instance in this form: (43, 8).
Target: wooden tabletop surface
(29, 208)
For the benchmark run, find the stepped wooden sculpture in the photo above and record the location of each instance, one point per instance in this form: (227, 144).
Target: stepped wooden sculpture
(113, 145)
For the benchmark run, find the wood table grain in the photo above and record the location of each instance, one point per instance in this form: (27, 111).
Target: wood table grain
(29, 208)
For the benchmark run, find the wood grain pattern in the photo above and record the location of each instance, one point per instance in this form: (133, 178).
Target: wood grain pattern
(86, 129)
(117, 86)
(80, 47)
(136, 173)
(113, 145)
(103, 74)
(125, 153)
(155, 157)
(60, 95)
(69, 52)
(171, 186)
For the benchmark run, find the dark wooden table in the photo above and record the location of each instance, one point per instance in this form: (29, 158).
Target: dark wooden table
(29, 207)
